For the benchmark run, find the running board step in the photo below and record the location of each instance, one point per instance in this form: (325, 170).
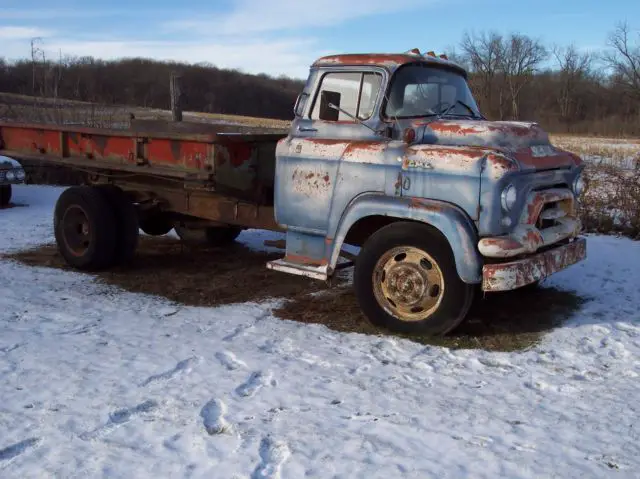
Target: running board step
(310, 271)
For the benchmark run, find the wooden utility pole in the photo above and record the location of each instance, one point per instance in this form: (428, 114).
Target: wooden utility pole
(176, 97)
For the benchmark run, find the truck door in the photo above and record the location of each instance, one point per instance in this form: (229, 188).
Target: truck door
(309, 164)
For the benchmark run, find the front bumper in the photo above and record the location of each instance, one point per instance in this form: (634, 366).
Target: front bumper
(519, 273)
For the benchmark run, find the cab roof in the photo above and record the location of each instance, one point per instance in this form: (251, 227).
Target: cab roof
(391, 61)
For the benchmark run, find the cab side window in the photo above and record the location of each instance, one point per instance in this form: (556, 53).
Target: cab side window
(355, 93)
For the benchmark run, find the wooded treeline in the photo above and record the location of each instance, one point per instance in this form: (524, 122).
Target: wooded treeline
(513, 77)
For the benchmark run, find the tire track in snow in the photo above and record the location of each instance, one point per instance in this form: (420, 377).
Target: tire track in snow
(183, 367)
(273, 455)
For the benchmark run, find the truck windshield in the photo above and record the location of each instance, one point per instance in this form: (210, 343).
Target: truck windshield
(422, 90)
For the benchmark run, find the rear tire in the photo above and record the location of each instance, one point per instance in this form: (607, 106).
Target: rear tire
(126, 223)
(406, 281)
(85, 228)
(156, 223)
(5, 195)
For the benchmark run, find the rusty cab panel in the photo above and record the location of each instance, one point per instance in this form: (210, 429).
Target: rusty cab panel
(342, 156)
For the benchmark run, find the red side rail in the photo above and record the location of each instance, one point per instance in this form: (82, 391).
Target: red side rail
(94, 146)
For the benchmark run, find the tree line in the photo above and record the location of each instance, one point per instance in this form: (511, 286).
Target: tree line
(514, 77)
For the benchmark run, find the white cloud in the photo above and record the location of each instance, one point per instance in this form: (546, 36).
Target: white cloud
(257, 36)
(286, 15)
(19, 33)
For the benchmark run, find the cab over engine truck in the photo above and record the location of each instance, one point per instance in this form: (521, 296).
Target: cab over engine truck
(388, 152)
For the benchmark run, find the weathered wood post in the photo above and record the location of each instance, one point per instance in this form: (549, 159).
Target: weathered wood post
(176, 97)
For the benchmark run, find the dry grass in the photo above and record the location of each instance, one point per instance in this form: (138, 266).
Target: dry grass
(200, 276)
(611, 203)
(28, 109)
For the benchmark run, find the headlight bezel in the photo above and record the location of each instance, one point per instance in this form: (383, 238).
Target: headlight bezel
(509, 197)
(20, 174)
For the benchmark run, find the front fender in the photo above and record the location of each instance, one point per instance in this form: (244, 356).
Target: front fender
(450, 220)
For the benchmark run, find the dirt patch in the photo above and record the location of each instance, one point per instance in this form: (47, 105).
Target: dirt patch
(191, 275)
(201, 276)
(500, 322)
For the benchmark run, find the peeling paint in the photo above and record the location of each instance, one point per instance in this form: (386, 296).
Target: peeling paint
(311, 183)
(516, 274)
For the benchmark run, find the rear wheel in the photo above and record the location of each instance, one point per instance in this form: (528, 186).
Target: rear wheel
(5, 195)
(85, 228)
(406, 281)
(156, 223)
(126, 222)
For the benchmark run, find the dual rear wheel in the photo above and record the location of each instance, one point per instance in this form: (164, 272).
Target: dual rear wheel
(96, 227)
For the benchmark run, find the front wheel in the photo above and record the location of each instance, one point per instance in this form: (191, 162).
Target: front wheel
(406, 281)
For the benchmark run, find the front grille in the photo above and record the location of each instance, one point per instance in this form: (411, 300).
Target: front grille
(3, 175)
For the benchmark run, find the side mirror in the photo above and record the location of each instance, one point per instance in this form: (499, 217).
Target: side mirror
(301, 101)
(327, 101)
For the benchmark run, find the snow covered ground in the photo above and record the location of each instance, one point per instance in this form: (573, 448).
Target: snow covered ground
(97, 382)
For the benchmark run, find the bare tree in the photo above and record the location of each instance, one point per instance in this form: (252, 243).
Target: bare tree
(573, 68)
(624, 59)
(520, 60)
(484, 54)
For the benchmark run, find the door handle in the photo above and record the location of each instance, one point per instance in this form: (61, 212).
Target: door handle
(307, 129)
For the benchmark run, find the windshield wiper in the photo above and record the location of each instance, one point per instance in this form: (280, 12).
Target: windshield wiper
(460, 102)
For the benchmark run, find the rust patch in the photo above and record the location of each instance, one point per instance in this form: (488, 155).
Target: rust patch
(499, 166)
(516, 130)
(561, 160)
(367, 59)
(308, 260)
(516, 274)
(239, 153)
(311, 182)
(325, 141)
(417, 203)
(455, 128)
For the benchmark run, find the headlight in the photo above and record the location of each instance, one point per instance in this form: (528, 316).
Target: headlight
(579, 185)
(10, 176)
(20, 175)
(508, 197)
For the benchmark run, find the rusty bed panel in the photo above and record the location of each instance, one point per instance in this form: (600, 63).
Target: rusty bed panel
(516, 274)
(239, 164)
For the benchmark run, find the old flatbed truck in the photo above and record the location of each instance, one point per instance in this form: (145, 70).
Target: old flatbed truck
(386, 151)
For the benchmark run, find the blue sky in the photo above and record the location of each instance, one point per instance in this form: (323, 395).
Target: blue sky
(285, 36)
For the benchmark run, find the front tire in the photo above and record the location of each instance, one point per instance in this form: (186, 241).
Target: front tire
(5, 195)
(406, 281)
(85, 228)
